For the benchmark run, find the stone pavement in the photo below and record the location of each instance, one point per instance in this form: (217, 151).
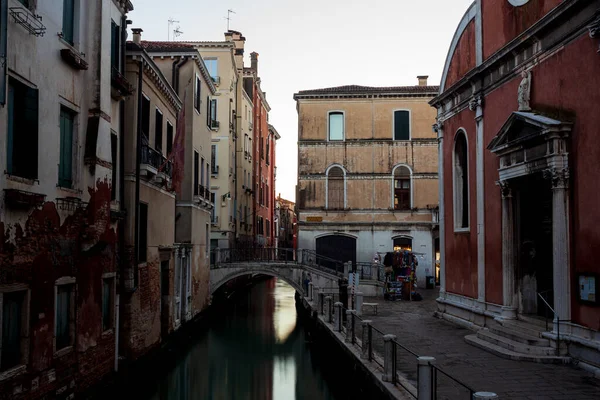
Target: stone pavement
(416, 328)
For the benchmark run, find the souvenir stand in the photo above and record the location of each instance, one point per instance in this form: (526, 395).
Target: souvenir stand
(400, 275)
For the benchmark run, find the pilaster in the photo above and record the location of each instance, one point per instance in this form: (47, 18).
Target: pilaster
(509, 308)
(438, 127)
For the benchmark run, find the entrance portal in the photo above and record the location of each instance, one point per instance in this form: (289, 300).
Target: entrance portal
(338, 247)
(534, 267)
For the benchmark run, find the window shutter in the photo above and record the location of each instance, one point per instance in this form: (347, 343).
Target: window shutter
(68, 20)
(401, 125)
(11, 128)
(115, 45)
(31, 121)
(66, 149)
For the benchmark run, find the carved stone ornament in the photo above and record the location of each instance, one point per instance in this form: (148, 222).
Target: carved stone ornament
(476, 101)
(559, 178)
(594, 28)
(505, 188)
(438, 126)
(525, 92)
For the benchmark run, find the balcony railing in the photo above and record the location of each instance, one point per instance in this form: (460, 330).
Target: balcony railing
(156, 160)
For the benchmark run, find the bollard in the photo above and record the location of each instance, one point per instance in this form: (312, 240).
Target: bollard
(358, 301)
(329, 308)
(367, 351)
(485, 395)
(349, 326)
(310, 291)
(425, 378)
(374, 271)
(389, 359)
(338, 316)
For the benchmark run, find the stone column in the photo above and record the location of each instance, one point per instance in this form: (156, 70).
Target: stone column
(425, 380)
(366, 340)
(358, 301)
(338, 317)
(560, 241)
(388, 358)
(439, 129)
(509, 309)
(477, 105)
(349, 326)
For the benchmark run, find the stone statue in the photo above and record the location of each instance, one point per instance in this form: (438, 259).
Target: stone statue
(525, 92)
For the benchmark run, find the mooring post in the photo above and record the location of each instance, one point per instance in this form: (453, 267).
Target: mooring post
(349, 326)
(425, 375)
(389, 358)
(358, 302)
(366, 340)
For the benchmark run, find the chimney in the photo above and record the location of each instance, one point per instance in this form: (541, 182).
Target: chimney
(254, 62)
(423, 80)
(137, 35)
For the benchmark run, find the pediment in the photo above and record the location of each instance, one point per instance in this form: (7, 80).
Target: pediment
(523, 128)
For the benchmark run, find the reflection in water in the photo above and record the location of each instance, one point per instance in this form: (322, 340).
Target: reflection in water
(256, 350)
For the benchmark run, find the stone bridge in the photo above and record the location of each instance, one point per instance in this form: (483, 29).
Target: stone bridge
(292, 266)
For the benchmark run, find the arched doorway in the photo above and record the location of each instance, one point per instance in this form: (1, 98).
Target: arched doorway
(338, 247)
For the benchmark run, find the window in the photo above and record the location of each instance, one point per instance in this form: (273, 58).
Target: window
(13, 338)
(213, 68)
(114, 140)
(260, 226)
(212, 112)
(68, 21)
(213, 159)
(65, 167)
(115, 46)
(262, 194)
(336, 125)
(108, 303)
(207, 236)
(401, 125)
(207, 176)
(402, 195)
(262, 155)
(267, 195)
(402, 243)
(213, 212)
(22, 143)
(164, 278)
(268, 228)
(196, 173)
(197, 90)
(143, 238)
(145, 120)
(202, 173)
(461, 181)
(268, 149)
(335, 189)
(25, 3)
(158, 130)
(65, 314)
(169, 138)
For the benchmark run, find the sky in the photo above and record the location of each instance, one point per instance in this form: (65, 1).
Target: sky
(310, 44)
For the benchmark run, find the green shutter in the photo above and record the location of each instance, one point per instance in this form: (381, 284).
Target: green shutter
(66, 149)
(208, 111)
(30, 167)
(68, 20)
(114, 45)
(401, 125)
(11, 128)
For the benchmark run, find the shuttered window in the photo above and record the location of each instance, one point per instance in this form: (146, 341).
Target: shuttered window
(65, 169)
(107, 303)
(115, 45)
(68, 21)
(158, 130)
(12, 309)
(115, 164)
(402, 196)
(63, 316)
(401, 125)
(22, 140)
(335, 189)
(197, 89)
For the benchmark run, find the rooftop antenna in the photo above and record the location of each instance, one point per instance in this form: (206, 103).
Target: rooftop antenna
(177, 32)
(171, 22)
(229, 12)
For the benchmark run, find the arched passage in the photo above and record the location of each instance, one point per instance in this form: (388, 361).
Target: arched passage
(338, 247)
(293, 277)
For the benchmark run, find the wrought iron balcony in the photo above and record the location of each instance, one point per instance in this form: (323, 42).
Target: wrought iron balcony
(120, 84)
(156, 161)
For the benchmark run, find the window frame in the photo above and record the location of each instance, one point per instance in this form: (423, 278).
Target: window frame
(329, 113)
(171, 137)
(409, 125)
(196, 179)
(327, 186)
(114, 154)
(197, 93)
(456, 196)
(411, 188)
(73, 31)
(111, 278)
(71, 282)
(158, 128)
(62, 180)
(24, 347)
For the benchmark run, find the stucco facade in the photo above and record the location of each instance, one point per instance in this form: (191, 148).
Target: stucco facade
(530, 226)
(368, 155)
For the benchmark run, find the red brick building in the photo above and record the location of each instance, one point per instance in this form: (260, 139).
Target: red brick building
(517, 125)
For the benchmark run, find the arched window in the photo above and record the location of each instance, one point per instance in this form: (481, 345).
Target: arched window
(336, 125)
(461, 181)
(335, 188)
(402, 187)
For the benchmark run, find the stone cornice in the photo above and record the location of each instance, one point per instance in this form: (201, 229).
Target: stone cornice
(194, 55)
(368, 142)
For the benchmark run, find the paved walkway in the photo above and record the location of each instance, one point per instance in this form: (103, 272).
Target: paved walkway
(417, 329)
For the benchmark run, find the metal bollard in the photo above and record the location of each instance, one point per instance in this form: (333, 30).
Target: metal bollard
(329, 308)
(349, 326)
(367, 351)
(425, 378)
(485, 395)
(358, 301)
(338, 316)
(389, 359)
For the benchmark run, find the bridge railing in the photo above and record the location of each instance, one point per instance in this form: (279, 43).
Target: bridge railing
(369, 271)
(311, 258)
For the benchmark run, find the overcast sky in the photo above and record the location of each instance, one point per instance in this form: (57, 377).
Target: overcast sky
(309, 44)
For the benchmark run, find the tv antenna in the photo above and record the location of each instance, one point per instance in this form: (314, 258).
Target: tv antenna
(228, 18)
(171, 22)
(177, 32)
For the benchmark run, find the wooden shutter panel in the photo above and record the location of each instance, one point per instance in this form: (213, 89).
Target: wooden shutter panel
(68, 20)
(66, 149)
(31, 121)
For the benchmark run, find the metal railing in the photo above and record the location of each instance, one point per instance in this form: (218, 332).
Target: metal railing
(156, 160)
(556, 319)
(448, 393)
(369, 271)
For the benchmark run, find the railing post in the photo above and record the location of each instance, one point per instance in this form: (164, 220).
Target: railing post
(358, 301)
(328, 306)
(338, 316)
(321, 301)
(366, 340)
(310, 291)
(389, 359)
(374, 271)
(425, 373)
(349, 326)
(485, 395)
(347, 268)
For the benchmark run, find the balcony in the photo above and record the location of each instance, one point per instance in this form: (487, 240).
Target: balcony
(215, 221)
(214, 125)
(74, 59)
(154, 164)
(21, 199)
(28, 20)
(121, 87)
(214, 170)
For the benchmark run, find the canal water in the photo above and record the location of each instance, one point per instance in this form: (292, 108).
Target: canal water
(255, 349)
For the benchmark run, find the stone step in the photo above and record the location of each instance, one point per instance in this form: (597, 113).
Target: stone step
(538, 322)
(528, 329)
(512, 355)
(511, 345)
(519, 336)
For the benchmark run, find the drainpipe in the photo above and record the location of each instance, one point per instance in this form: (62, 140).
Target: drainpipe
(138, 157)
(176, 66)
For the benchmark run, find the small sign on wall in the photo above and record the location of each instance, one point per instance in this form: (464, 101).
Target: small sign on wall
(588, 289)
(314, 219)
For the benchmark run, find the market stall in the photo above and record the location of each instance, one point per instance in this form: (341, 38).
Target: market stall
(400, 275)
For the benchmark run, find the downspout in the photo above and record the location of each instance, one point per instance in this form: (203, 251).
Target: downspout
(138, 157)
(176, 66)
(121, 232)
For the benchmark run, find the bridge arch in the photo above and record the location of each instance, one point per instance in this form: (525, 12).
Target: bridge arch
(287, 277)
